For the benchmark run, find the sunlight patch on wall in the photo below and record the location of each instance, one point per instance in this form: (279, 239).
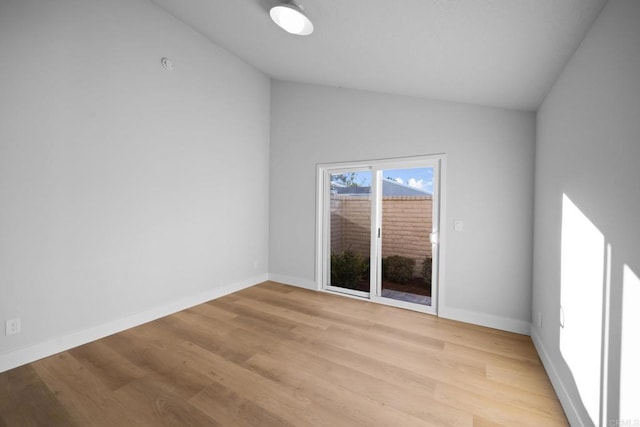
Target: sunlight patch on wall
(582, 280)
(630, 351)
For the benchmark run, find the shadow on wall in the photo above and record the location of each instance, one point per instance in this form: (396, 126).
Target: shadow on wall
(599, 296)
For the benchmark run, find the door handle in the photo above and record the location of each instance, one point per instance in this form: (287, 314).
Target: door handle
(434, 238)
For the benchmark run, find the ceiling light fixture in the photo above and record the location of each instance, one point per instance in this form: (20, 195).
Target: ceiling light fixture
(292, 19)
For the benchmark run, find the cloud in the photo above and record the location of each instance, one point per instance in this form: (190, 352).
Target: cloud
(424, 184)
(420, 183)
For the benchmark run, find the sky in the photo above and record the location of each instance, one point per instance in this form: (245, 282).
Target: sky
(421, 178)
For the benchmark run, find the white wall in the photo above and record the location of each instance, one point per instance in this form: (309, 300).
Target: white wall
(588, 150)
(126, 191)
(489, 185)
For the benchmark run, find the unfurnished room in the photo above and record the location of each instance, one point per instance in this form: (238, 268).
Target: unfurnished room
(320, 213)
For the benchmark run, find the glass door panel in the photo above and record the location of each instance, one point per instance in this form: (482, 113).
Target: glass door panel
(407, 223)
(349, 231)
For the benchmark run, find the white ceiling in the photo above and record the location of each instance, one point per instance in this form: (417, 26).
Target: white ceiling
(504, 53)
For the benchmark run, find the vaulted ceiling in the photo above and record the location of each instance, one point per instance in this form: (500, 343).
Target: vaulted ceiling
(503, 53)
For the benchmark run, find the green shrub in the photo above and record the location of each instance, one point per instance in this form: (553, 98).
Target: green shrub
(348, 268)
(427, 265)
(397, 268)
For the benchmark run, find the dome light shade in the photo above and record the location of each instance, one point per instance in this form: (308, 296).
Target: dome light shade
(290, 18)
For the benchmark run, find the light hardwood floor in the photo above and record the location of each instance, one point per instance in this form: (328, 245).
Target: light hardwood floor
(282, 356)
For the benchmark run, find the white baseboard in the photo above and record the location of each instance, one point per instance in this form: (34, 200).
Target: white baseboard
(482, 319)
(488, 320)
(38, 351)
(294, 281)
(565, 398)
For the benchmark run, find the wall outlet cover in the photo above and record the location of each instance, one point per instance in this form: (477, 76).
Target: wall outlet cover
(12, 326)
(539, 320)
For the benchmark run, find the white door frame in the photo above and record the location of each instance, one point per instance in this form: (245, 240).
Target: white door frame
(438, 162)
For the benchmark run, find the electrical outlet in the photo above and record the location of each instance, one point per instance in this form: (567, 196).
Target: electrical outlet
(539, 320)
(12, 326)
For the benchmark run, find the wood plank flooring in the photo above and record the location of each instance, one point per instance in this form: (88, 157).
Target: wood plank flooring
(275, 355)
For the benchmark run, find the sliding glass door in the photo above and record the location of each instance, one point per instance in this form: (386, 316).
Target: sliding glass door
(349, 231)
(378, 231)
(408, 230)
